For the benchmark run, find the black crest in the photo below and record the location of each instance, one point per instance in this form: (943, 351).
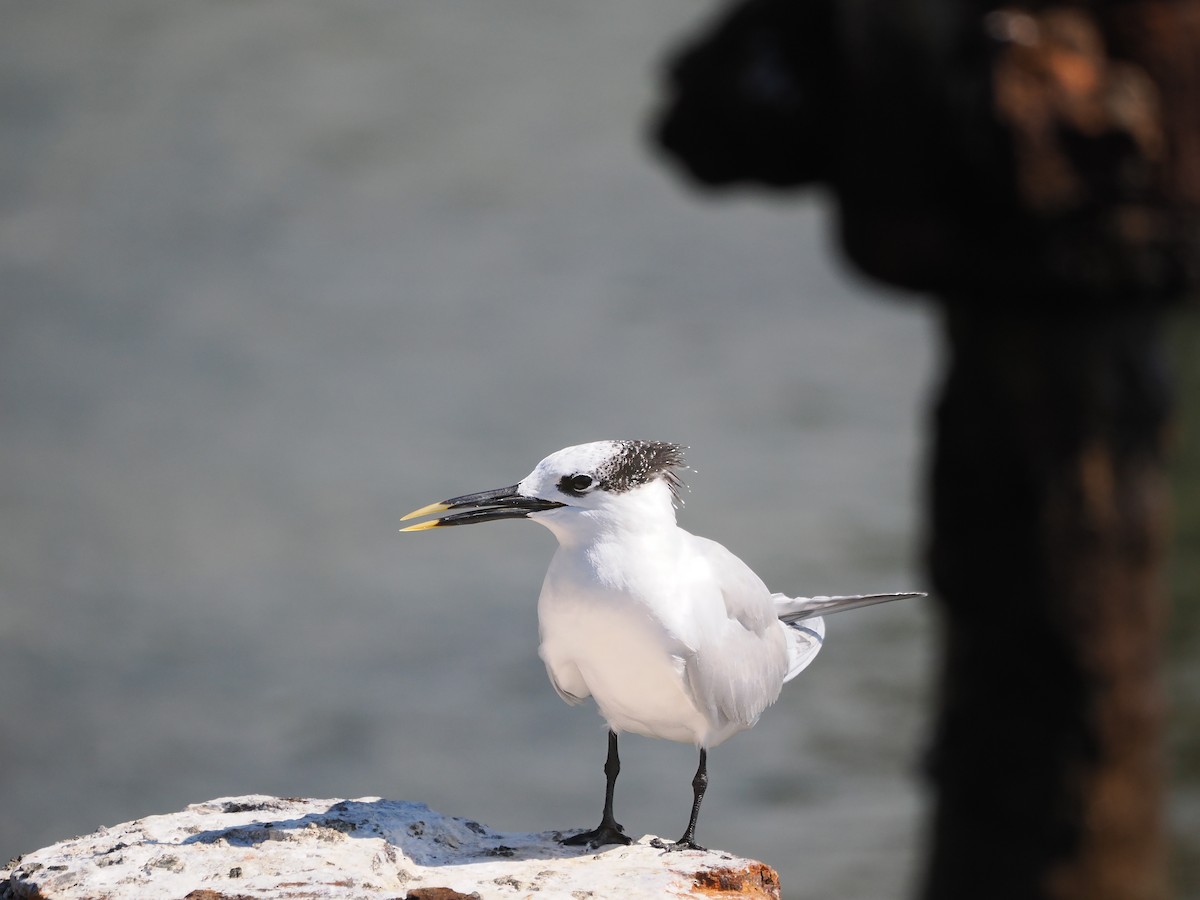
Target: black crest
(640, 462)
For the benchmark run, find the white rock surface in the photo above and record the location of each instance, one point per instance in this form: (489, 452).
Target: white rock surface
(236, 848)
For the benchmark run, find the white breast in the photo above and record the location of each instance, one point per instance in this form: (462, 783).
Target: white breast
(625, 634)
(626, 662)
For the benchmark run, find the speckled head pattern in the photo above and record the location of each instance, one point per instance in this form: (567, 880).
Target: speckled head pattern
(634, 463)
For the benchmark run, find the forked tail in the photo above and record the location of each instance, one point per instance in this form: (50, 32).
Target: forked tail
(806, 629)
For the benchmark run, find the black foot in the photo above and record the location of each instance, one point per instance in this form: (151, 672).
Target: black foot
(607, 833)
(660, 844)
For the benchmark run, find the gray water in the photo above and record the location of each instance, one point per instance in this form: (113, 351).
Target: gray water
(275, 273)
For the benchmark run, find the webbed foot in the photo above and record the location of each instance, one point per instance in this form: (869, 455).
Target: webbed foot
(607, 833)
(685, 844)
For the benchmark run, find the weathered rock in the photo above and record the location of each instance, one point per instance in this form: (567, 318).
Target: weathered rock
(267, 848)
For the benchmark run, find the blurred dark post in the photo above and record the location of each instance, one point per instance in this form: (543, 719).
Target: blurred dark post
(1036, 169)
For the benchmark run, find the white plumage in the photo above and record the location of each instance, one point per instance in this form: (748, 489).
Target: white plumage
(670, 634)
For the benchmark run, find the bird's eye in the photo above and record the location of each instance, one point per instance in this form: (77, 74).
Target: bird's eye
(575, 484)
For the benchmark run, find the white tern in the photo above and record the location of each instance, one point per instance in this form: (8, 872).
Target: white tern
(671, 634)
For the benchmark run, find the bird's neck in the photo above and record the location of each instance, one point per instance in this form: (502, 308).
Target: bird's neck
(641, 515)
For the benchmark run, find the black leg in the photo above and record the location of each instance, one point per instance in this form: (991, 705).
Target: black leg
(699, 786)
(609, 830)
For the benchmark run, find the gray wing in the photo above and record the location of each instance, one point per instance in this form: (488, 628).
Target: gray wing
(796, 609)
(747, 599)
(737, 670)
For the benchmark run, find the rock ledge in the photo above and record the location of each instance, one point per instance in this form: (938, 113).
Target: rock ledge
(268, 848)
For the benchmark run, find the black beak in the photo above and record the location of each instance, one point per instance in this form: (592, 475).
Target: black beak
(485, 506)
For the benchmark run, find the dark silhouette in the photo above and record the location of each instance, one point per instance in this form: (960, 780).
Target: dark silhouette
(1036, 169)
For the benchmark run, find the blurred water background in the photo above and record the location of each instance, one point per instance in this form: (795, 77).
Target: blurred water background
(274, 273)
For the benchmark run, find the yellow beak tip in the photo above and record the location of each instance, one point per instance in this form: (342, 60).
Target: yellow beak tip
(425, 511)
(423, 526)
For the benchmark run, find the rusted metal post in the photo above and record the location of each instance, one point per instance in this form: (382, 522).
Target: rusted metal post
(1048, 531)
(1036, 169)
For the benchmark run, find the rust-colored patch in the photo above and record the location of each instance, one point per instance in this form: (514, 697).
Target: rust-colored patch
(439, 893)
(1084, 124)
(755, 880)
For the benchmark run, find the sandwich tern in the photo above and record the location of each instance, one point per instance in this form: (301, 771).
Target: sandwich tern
(671, 634)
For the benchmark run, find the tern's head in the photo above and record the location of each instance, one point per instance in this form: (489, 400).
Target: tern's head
(605, 481)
